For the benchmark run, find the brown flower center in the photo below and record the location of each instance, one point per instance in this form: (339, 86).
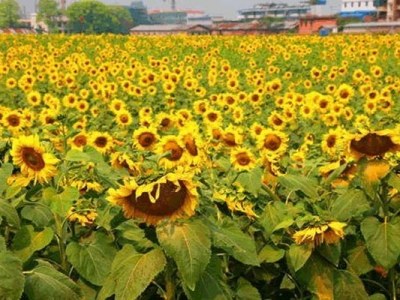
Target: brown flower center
(331, 141)
(272, 142)
(32, 159)
(212, 117)
(13, 120)
(229, 139)
(169, 201)
(101, 142)
(372, 144)
(243, 159)
(191, 147)
(80, 140)
(146, 139)
(176, 150)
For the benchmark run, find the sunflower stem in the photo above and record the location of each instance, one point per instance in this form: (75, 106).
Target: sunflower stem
(270, 192)
(393, 284)
(169, 283)
(61, 243)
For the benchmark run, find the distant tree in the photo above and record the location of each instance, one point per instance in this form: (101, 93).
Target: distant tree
(9, 14)
(92, 17)
(122, 17)
(48, 12)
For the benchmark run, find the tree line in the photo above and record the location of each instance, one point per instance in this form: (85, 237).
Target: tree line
(85, 16)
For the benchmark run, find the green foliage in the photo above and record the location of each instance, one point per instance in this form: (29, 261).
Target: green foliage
(9, 14)
(48, 12)
(11, 277)
(94, 17)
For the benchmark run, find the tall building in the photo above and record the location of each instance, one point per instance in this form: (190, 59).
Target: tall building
(139, 13)
(388, 10)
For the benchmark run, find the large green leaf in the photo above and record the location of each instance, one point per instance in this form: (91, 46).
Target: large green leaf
(39, 215)
(11, 277)
(189, 245)
(77, 155)
(46, 283)
(251, 181)
(317, 276)
(230, 238)
(271, 254)
(382, 240)
(245, 291)
(131, 231)
(5, 173)
(274, 214)
(27, 241)
(298, 255)
(348, 286)
(3, 247)
(132, 272)
(211, 284)
(9, 213)
(300, 183)
(331, 252)
(60, 203)
(350, 204)
(358, 260)
(92, 258)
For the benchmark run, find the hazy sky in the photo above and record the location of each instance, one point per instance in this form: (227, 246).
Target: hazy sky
(225, 8)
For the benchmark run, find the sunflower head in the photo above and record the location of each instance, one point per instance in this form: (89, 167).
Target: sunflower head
(171, 197)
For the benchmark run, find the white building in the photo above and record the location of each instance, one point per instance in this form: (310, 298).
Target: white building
(357, 9)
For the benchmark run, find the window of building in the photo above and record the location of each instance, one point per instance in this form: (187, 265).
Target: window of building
(345, 4)
(359, 4)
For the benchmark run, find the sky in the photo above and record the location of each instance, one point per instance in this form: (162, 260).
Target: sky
(225, 8)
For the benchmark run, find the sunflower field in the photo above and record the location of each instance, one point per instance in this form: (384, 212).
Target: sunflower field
(199, 167)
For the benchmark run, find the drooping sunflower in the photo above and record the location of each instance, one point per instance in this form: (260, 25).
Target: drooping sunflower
(372, 144)
(194, 144)
(171, 197)
(120, 160)
(145, 138)
(35, 163)
(330, 233)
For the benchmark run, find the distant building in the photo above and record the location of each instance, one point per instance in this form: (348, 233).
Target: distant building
(40, 26)
(139, 13)
(372, 27)
(388, 10)
(170, 29)
(168, 17)
(194, 17)
(313, 24)
(286, 11)
(357, 9)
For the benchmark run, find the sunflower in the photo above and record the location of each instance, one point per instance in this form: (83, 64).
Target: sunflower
(123, 118)
(171, 197)
(344, 93)
(177, 154)
(232, 136)
(213, 118)
(332, 142)
(277, 121)
(13, 120)
(102, 141)
(272, 143)
(34, 98)
(374, 170)
(242, 159)
(32, 158)
(78, 141)
(373, 144)
(120, 160)
(330, 232)
(193, 143)
(165, 121)
(145, 138)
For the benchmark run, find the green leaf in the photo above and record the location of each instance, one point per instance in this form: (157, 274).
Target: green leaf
(10, 214)
(274, 214)
(77, 155)
(377, 297)
(46, 283)
(235, 242)
(92, 259)
(382, 240)
(189, 245)
(5, 173)
(251, 180)
(211, 284)
(95, 156)
(61, 203)
(3, 247)
(246, 291)
(348, 286)
(331, 252)
(318, 276)
(350, 204)
(131, 231)
(11, 277)
(27, 241)
(300, 183)
(271, 254)
(394, 181)
(359, 262)
(132, 272)
(298, 255)
(38, 214)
